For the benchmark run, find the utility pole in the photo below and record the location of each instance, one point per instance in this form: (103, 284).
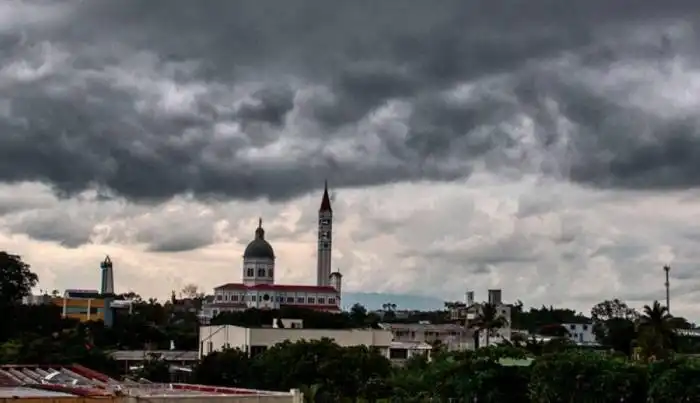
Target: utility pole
(667, 269)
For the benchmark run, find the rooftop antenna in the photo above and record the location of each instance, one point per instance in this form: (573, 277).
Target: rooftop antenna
(667, 269)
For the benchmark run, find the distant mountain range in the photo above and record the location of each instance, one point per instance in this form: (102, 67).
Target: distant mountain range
(374, 301)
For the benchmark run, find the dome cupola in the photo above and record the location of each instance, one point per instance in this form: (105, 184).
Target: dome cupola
(259, 248)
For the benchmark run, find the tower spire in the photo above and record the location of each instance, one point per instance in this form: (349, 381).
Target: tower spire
(259, 232)
(326, 200)
(325, 239)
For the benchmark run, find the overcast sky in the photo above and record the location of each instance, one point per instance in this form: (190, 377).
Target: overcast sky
(548, 148)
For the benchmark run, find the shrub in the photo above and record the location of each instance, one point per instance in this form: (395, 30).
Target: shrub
(586, 377)
(674, 382)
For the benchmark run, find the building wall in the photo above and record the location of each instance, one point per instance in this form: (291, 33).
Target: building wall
(498, 336)
(286, 398)
(83, 309)
(325, 247)
(216, 338)
(258, 271)
(581, 333)
(455, 337)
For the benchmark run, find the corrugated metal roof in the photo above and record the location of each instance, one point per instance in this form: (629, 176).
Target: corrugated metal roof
(19, 391)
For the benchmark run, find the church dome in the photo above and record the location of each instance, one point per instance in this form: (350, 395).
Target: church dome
(259, 248)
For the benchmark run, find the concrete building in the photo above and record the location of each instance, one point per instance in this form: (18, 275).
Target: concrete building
(257, 340)
(496, 336)
(258, 288)
(580, 333)
(452, 336)
(469, 311)
(86, 305)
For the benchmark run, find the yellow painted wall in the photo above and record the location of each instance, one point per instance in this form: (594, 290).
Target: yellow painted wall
(81, 303)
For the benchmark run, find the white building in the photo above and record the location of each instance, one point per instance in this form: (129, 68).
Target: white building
(452, 336)
(580, 333)
(473, 311)
(258, 288)
(256, 340)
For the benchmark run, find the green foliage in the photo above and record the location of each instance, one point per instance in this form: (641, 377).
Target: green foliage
(329, 373)
(155, 370)
(358, 317)
(16, 279)
(675, 382)
(586, 377)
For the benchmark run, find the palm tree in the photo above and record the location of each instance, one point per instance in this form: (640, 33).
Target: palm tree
(656, 330)
(488, 320)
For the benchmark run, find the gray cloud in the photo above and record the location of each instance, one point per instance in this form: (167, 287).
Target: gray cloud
(261, 99)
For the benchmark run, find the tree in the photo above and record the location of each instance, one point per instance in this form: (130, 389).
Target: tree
(16, 279)
(488, 320)
(389, 311)
(656, 332)
(612, 309)
(614, 325)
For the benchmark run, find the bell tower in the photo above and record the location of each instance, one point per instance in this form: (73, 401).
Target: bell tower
(325, 240)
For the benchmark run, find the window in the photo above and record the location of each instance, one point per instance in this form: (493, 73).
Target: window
(219, 297)
(250, 273)
(311, 300)
(326, 245)
(331, 300)
(261, 272)
(270, 273)
(572, 327)
(234, 297)
(398, 353)
(225, 297)
(321, 301)
(585, 327)
(300, 300)
(253, 298)
(290, 300)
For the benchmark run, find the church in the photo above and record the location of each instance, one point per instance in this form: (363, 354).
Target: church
(258, 288)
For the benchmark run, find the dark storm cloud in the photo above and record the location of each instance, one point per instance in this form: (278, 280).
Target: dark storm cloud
(149, 100)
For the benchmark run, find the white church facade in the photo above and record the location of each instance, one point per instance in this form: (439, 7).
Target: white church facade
(258, 288)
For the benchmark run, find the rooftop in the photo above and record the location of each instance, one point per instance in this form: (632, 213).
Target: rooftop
(444, 327)
(277, 287)
(76, 380)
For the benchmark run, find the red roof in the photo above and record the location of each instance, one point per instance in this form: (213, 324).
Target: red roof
(326, 201)
(278, 287)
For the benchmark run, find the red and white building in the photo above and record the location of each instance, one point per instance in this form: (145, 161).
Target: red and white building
(258, 288)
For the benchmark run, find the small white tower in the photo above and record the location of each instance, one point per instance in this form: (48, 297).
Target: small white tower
(325, 239)
(336, 280)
